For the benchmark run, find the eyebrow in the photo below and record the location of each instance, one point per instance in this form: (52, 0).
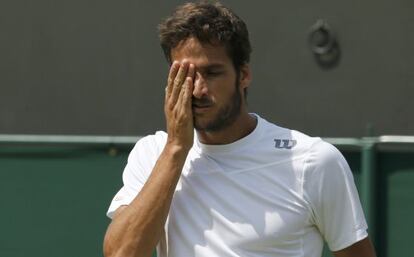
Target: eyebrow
(211, 66)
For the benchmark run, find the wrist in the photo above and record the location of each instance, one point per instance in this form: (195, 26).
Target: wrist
(176, 149)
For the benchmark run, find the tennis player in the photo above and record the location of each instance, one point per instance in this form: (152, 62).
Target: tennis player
(223, 182)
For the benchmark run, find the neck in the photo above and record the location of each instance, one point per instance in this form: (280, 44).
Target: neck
(241, 127)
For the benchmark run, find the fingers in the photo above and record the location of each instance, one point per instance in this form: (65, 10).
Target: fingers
(178, 100)
(191, 71)
(189, 86)
(184, 99)
(171, 76)
(188, 93)
(178, 82)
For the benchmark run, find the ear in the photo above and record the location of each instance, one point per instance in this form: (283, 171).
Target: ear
(245, 76)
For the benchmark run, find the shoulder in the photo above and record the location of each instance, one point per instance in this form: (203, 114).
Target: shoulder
(313, 148)
(324, 156)
(152, 140)
(317, 153)
(326, 171)
(288, 139)
(149, 146)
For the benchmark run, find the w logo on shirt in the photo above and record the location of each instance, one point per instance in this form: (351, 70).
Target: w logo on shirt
(285, 143)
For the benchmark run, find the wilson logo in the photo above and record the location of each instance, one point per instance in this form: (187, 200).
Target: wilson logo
(285, 143)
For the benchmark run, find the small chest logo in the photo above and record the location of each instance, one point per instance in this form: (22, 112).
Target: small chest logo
(285, 143)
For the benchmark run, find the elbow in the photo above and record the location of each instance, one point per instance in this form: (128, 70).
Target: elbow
(108, 247)
(112, 249)
(122, 248)
(112, 246)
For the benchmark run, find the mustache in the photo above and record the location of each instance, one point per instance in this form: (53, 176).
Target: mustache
(201, 102)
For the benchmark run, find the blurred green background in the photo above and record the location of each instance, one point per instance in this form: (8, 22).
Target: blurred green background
(55, 192)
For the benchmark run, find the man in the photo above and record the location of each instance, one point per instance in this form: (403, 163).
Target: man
(221, 181)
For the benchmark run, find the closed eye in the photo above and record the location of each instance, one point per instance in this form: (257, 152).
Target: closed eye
(212, 70)
(213, 73)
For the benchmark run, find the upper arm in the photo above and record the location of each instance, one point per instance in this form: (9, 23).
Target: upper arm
(362, 248)
(332, 194)
(140, 163)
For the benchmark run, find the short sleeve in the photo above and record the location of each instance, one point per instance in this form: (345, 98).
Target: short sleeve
(331, 191)
(141, 161)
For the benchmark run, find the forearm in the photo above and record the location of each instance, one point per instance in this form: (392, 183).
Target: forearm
(138, 228)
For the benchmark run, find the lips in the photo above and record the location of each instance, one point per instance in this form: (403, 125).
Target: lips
(201, 104)
(201, 108)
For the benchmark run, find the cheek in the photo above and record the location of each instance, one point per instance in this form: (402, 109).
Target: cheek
(226, 83)
(221, 88)
(223, 92)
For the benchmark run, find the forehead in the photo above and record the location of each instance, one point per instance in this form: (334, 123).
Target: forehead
(200, 54)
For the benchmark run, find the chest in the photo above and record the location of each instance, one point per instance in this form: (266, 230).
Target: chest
(240, 209)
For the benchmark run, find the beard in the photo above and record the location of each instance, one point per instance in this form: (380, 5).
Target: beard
(225, 116)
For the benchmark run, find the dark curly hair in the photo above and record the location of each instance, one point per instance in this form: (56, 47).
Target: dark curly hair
(209, 22)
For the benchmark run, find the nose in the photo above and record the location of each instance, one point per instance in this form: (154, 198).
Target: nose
(200, 86)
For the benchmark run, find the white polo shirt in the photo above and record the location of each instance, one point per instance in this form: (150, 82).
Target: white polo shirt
(275, 192)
